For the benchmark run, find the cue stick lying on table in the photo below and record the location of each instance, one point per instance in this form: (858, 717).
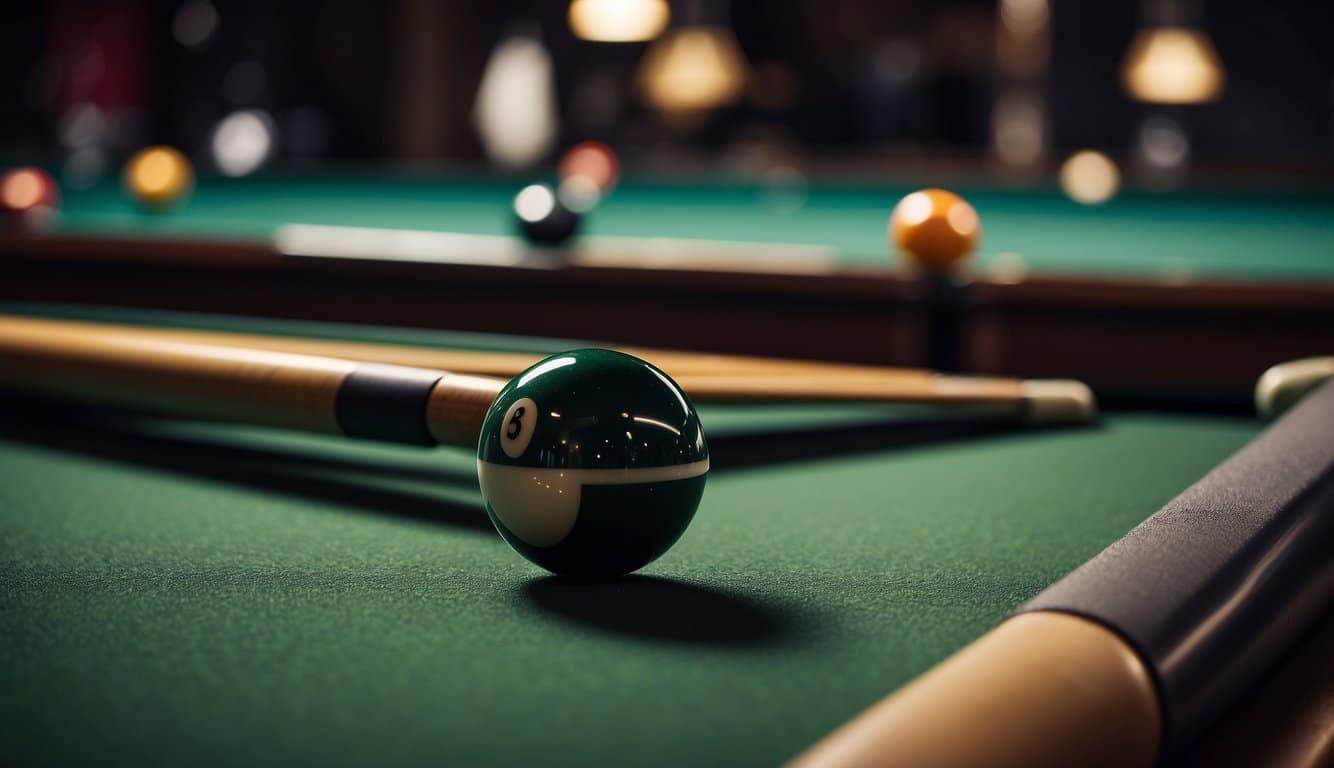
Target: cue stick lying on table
(1133, 654)
(741, 380)
(302, 392)
(506, 364)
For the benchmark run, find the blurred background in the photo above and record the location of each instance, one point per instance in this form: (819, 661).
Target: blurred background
(1012, 89)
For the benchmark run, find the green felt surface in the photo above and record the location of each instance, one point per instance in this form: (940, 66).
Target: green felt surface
(209, 594)
(1169, 235)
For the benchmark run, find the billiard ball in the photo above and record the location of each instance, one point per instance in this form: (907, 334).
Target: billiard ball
(935, 229)
(543, 218)
(594, 161)
(28, 199)
(592, 463)
(158, 178)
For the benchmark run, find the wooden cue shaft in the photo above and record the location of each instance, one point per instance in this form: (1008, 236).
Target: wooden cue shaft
(768, 381)
(1041, 690)
(126, 368)
(506, 364)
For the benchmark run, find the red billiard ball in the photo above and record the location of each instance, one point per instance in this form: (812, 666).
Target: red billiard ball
(593, 160)
(28, 198)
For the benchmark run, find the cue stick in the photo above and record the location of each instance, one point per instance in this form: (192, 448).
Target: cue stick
(309, 393)
(771, 382)
(506, 364)
(1132, 655)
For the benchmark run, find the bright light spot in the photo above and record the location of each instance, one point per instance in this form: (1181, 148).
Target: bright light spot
(243, 142)
(962, 219)
(693, 68)
(618, 21)
(194, 24)
(658, 424)
(1090, 177)
(1172, 65)
(22, 190)
(914, 209)
(545, 367)
(535, 202)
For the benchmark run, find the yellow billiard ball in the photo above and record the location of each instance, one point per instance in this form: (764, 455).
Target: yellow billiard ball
(935, 229)
(159, 178)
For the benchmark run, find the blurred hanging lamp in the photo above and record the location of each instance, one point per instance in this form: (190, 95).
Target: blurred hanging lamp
(515, 111)
(1172, 60)
(618, 21)
(696, 67)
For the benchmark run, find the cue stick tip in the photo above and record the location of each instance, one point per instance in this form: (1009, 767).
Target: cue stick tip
(1059, 401)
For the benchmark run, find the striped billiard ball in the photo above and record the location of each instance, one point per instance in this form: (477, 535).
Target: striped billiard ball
(592, 463)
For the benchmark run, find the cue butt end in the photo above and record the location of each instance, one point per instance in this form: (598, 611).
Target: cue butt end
(1284, 384)
(1042, 690)
(1059, 401)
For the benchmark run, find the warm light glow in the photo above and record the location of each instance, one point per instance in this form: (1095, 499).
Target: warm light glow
(1172, 65)
(159, 176)
(963, 219)
(692, 69)
(1090, 177)
(618, 21)
(22, 190)
(914, 209)
(156, 171)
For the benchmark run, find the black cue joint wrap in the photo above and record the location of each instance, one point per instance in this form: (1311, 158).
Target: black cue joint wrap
(1213, 589)
(386, 402)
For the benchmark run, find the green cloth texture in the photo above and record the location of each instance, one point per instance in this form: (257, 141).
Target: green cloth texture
(203, 594)
(1234, 233)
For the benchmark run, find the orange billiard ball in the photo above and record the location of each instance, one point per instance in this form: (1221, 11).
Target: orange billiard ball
(28, 198)
(935, 229)
(159, 178)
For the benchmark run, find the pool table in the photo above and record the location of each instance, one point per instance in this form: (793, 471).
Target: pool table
(200, 593)
(1153, 297)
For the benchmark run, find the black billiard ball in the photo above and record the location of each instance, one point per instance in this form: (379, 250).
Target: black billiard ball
(592, 463)
(543, 219)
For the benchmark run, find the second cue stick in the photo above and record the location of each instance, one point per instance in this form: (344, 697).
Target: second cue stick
(124, 368)
(770, 382)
